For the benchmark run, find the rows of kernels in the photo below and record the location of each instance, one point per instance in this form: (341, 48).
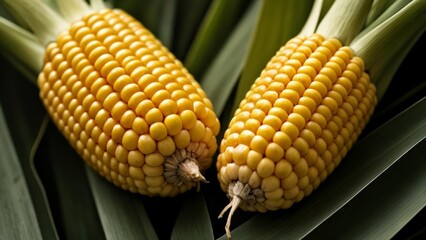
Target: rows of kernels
(123, 101)
(297, 121)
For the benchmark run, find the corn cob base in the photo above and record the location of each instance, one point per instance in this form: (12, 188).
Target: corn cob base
(296, 123)
(128, 106)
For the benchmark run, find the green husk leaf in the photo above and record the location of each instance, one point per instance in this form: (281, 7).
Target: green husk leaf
(344, 19)
(222, 75)
(21, 44)
(384, 47)
(167, 20)
(73, 10)
(359, 169)
(25, 115)
(193, 226)
(43, 21)
(218, 23)
(313, 19)
(376, 210)
(188, 20)
(62, 172)
(97, 5)
(377, 8)
(15, 203)
(279, 21)
(122, 214)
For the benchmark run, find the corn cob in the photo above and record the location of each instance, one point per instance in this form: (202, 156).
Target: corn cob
(128, 106)
(296, 123)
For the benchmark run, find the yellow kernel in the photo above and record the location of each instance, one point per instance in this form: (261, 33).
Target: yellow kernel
(282, 139)
(166, 146)
(160, 96)
(130, 140)
(320, 146)
(270, 184)
(136, 173)
(273, 121)
(121, 82)
(173, 124)
(301, 145)
(111, 100)
(266, 131)
(314, 95)
(120, 152)
(146, 144)
(302, 78)
(152, 88)
(244, 173)
(189, 119)
(258, 144)
(127, 119)
(152, 171)
(252, 125)
(290, 129)
(182, 139)
(168, 107)
(319, 119)
(154, 115)
(291, 95)
(301, 168)
(118, 110)
(284, 104)
(283, 168)
(128, 91)
(295, 86)
(265, 168)
(314, 62)
(253, 159)
(136, 158)
(144, 106)
(289, 181)
(274, 152)
(324, 79)
(292, 155)
(140, 126)
(239, 154)
(158, 131)
(154, 159)
(197, 132)
(319, 87)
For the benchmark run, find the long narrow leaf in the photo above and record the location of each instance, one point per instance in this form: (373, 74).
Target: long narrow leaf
(368, 159)
(188, 18)
(25, 117)
(217, 25)
(222, 75)
(62, 173)
(376, 211)
(122, 214)
(15, 201)
(193, 221)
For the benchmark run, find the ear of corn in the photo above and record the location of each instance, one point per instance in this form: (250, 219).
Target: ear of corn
(128, 107)
(296, 123)
(124, 102)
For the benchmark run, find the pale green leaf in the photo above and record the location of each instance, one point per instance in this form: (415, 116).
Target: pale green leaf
(15, 202)
(279, 21)
(223, 73)
(25, 116)
(376, 212)
(122, 214)
(188, 19)
(217, 25)
(193, 221)
(62, 173)
(368, 159)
